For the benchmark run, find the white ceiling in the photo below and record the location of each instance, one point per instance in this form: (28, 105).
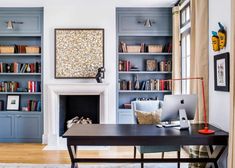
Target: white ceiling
(153, 3)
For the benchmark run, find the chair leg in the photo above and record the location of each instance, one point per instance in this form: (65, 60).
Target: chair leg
(134, 152)
(142, 160)
(178, 156)
(162, 155)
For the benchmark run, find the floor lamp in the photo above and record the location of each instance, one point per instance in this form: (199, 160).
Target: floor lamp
(206, 130)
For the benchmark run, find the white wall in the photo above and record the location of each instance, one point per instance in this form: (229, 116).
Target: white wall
(83, 14)
(219, 102)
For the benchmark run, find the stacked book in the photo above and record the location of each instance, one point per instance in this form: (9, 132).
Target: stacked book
(124, 65)
(9, 86)
(34, 105)
(34, 86)
(151, 84)
(20, 67)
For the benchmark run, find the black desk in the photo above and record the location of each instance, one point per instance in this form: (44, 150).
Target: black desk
(132, 134)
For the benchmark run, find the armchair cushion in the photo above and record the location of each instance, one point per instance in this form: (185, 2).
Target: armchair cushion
(144, 117)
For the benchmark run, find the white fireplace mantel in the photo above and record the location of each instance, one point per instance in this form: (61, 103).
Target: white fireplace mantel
(51, 114)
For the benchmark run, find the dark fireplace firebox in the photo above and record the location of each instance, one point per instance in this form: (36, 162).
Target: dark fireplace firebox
(86, 106)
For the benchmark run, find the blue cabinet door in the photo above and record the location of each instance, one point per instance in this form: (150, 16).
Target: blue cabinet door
(28, 126)
(6, 126)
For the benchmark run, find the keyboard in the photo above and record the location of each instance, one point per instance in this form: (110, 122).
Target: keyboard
(171, 125)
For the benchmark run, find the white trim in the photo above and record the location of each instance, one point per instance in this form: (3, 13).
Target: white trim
(186, 2)
(51, 116)
(185, 28)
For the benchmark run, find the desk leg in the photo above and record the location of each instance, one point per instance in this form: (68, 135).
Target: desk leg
(72, 153)
(214, 153)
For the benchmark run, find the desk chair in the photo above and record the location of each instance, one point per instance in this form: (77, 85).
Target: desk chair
(150, 106)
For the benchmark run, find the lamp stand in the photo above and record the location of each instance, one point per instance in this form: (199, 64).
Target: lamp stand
(206, 130)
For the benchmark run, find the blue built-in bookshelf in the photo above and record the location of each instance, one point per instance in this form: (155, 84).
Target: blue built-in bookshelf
(140, 68)
(21, 73)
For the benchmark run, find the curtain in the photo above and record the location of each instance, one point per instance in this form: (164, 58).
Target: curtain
(231, 153)
(199, 66)
(176, 51)
(199, 58)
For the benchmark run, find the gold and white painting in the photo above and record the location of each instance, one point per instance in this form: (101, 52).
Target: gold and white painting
(78, 52)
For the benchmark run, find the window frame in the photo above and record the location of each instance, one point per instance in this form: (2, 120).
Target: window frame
(185, 30)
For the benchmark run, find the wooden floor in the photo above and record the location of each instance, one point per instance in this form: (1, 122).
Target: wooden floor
(34, 153)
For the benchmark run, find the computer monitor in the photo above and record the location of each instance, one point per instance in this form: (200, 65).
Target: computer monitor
(179, 108)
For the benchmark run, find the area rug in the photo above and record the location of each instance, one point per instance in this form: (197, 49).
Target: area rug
(147, 165)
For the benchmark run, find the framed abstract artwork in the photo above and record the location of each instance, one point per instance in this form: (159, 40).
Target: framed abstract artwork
(78, 52)
(221, 72)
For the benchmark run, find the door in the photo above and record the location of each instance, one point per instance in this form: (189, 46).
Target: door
(7, 126)
(28, 126)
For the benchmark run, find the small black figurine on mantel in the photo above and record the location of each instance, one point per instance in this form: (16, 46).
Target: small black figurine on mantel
(99, 75)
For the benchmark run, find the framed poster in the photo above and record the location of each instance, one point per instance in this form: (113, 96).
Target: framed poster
(221, 72)
(13, 102)
(78, 52)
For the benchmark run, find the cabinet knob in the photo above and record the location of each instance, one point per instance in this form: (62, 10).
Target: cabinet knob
(18, 116)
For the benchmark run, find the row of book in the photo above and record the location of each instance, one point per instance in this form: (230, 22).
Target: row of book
(145, 48)
(9, 86)
(157, 84)
(20, 67)
(150, 65)
(33, 105)
(124, 65)
(13, 86)
(34, 86)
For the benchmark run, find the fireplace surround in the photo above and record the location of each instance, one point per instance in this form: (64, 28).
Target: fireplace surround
(51, 135)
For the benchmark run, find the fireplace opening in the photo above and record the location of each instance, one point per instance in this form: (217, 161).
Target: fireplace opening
(79, 106)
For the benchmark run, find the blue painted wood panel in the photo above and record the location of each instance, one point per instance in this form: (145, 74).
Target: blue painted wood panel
(6, 126)
(28, 126)
(131, 21)
(31, 18)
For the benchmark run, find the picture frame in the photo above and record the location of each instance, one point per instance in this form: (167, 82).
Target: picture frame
(151, 65)
(13, 102)
(221, 72)
(79, 53)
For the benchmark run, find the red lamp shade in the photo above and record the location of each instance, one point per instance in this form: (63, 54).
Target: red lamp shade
(206, 130)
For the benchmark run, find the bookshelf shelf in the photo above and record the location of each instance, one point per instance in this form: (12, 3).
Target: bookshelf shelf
(20, 112)
(142, 35)
(143, 72)
(22, 74)
(144, 91)
(21, 93)
(145, 54)
(20, 55)
(22, 35)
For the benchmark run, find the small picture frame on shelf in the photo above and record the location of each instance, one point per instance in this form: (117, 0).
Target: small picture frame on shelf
(13, 102)
(151, 65)
(221, 72)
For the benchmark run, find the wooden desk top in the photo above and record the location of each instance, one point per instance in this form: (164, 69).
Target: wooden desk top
(134, 134)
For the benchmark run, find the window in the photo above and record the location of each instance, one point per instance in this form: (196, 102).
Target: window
(185, 26)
